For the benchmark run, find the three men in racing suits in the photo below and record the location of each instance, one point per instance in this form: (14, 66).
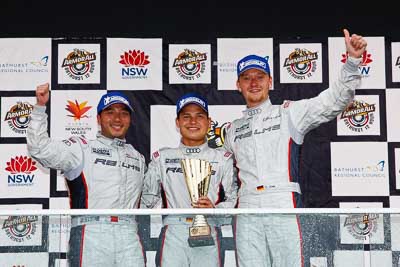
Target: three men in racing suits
(105, 173)
(165, 180)
(265, 143)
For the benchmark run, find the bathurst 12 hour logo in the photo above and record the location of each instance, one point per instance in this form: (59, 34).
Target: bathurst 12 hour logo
(18, 117)
(216, 134)
(135, 64)
(359, 116)
(79, 64)
(20, 228)
(20, 169)
(190, 64)
(360, 226)
(364, 66)
(301, 63)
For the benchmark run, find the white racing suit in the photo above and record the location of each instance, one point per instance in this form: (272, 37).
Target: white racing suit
(101, 174)
(266, 143)
(164, 181)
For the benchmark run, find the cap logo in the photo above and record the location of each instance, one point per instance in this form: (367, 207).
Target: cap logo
(191, 99)
(252, 62)
(109, 99)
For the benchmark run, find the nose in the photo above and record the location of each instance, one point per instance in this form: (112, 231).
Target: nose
(253, 81)
(193, 120)
(117, 116)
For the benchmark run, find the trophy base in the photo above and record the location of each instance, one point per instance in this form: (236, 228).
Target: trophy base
(200, 236)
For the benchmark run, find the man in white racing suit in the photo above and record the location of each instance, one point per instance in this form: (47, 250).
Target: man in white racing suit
(265, 143)
(164, 181)
(105, 173)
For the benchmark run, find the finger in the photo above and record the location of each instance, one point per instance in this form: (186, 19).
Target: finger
(346, 34)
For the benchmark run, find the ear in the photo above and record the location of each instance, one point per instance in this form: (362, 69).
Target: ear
(177, 123)
(238, 86)
(270, 82)
(98, 119)
(209, 122)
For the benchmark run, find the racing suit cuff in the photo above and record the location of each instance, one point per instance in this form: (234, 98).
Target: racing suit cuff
(39, 109)
(352, 64)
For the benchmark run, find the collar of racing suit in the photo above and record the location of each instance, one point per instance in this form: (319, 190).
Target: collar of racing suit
(190, 150)
(116, 142)
(251, 112)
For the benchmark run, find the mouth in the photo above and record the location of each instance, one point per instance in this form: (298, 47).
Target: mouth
(254, 90)
(117, 127)
(192, 129)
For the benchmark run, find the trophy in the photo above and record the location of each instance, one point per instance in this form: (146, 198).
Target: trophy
(197, 174)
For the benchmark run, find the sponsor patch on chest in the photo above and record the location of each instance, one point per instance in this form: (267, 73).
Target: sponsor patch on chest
(101, 151)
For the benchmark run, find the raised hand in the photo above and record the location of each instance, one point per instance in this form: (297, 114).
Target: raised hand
(42, 94)
(355, 44)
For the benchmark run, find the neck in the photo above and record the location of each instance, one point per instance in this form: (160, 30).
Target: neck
(187, 142)
(256, 104)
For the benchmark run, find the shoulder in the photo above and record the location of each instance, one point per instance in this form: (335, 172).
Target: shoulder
(156, 155)
(234, 124)
(132, 152)
(223, 153)
(81, 140)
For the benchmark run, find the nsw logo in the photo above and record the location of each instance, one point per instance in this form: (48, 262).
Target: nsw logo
(135, 64)
(364, 67)
(20, 169)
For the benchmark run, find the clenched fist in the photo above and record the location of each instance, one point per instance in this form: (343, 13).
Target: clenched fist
(42, 94)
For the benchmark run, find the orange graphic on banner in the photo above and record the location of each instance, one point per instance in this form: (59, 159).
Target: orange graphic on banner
(77, 110)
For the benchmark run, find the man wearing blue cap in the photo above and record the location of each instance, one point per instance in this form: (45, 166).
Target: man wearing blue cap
(105, 173)
(266, 144)
(165, 182)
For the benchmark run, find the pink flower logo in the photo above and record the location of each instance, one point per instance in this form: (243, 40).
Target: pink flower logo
(21, 164)
(134, 58)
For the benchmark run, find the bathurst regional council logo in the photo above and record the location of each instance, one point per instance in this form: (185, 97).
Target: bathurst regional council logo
(18, 117)
(190, 64)
(79, 64)
(301, 63)
(359, 116)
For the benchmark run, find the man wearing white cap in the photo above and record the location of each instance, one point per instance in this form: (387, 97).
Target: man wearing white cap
(105, 173)
(266, 143)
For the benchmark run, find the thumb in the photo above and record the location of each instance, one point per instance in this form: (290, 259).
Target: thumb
(346, 35)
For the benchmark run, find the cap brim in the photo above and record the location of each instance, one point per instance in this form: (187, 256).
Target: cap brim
(117, 102)
(192, 102)
(253, 67)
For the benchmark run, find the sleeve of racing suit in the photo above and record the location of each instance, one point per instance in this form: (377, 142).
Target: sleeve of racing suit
(151, 195)
(229, 183)
(307, 114)
(227, 141)
(66, 155)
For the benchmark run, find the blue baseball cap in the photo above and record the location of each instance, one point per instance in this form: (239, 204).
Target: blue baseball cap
(191, 98)
(112, 98)
(253, 62)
